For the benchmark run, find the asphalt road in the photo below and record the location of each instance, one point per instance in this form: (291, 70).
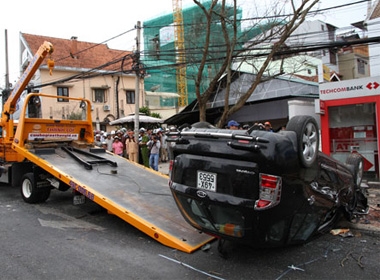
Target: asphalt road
(57, 240)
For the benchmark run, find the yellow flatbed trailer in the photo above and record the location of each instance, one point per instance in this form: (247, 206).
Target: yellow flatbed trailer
(55, 153)
(137, 195)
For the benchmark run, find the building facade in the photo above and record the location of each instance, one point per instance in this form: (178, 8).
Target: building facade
(372, 22)
(84, 70)
(349, 109)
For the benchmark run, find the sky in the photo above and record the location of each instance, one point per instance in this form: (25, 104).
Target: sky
(97, 21)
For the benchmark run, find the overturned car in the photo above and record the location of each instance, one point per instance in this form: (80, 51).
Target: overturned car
(262, 188)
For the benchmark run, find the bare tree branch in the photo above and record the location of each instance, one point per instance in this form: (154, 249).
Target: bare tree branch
(275, 32)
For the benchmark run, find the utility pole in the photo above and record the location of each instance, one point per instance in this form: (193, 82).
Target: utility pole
(7, 90)
(136, 67)
(6, 61)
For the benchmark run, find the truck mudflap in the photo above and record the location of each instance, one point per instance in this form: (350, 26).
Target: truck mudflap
(138, 195)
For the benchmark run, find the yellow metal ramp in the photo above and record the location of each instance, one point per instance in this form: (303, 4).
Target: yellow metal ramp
(137, 195)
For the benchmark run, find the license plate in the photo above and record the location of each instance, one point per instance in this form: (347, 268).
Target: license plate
(206, 181)
(79, 199)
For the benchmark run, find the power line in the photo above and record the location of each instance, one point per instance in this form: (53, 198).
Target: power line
(95, 45)
(263, 52)
(196, 50)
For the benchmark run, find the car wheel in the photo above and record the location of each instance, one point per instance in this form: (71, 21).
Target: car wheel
(356, 161)
(307, 132)
(29, 191)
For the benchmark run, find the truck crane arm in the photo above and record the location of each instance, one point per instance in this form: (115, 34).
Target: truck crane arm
(10, 105)
(6, 122)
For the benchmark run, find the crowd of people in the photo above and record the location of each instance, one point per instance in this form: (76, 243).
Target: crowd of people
(232, 124)
(149, 149)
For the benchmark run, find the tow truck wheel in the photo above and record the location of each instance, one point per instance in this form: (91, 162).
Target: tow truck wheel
(307, 132)
(29, 191)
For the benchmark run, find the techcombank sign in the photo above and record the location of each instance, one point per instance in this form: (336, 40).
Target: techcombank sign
(350, 88)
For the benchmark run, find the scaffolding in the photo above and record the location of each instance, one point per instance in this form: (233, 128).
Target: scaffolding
(177, 39)
(179, 42)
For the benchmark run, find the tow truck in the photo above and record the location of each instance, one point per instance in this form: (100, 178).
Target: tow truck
(41, 154)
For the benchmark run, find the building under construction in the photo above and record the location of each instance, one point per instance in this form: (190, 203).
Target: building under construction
(173, 45)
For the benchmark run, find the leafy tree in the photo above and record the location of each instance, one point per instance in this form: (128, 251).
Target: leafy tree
(156, 115)
(145, 110)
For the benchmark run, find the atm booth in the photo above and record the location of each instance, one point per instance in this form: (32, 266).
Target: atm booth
(350, 120)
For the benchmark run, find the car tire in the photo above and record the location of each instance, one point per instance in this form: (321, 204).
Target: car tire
(356, 162)
(306, 129)
(29, 191)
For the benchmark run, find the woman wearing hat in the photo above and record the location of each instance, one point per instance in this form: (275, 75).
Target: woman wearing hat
(117, 146)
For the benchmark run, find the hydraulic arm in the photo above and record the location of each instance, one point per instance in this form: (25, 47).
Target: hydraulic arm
(10, 105)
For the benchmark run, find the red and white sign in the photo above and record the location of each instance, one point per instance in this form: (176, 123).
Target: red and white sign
(350, 89)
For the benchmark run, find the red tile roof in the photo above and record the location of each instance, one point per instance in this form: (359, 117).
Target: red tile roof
(87, 55)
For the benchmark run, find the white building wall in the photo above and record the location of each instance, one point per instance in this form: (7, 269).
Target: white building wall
(315, 31)
(374, 49)
(302, 107)
(310, 31)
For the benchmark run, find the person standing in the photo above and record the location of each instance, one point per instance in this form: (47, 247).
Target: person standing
(164, 147)
(124, 136)
(144, 147)
(132, 147)
(268, 126)
(102, 136)
(117, 146)
(154, 146)
(113, 134)
(233, 125)
(98, 141)
(109, 141)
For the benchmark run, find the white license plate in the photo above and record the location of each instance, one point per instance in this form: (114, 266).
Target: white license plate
(206, 181)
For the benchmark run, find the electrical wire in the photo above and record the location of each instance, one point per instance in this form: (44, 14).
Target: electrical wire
(216, 52)
(95, 45)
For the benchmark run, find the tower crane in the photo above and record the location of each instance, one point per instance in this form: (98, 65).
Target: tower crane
(179, 42)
